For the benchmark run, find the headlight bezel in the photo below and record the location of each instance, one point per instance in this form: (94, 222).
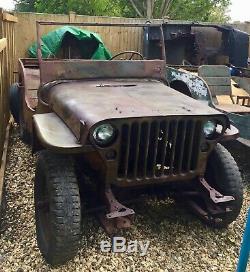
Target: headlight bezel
(213, 125)
(97, 139)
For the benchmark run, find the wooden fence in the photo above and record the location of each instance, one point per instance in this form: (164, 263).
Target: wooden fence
(3, 44)
(7, 59)
(116, 39)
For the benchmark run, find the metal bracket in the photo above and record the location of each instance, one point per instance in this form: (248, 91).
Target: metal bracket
(215, 196)
(115, 207)
(119, 216)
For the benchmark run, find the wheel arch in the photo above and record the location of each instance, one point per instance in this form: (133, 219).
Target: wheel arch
(184, 80)
(181, 87)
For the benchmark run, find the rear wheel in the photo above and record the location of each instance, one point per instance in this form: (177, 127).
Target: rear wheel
(223, 175)
(17, 113)
(15, 101)
(57, 208)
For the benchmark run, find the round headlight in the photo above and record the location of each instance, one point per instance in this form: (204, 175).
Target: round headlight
(104, 134)
(209, 128)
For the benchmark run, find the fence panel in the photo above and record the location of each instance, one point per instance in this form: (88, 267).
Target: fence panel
(7, 59)
(3, 44)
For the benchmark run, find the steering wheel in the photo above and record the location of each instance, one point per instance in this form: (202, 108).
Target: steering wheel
(133, 53)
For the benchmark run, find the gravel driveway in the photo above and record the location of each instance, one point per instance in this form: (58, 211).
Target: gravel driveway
(178, 241)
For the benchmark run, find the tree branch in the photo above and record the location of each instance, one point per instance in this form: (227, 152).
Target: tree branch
(152, 4)
(163, 2)
(167, 7)
(163, 6)
(135, 8)
(144, 8)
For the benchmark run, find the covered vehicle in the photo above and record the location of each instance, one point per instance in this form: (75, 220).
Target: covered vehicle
(115, 127)
(196, 43)
(71, 42)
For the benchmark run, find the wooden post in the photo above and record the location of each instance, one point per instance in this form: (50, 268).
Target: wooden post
(3, 165)
(149, 9)
(72, 16)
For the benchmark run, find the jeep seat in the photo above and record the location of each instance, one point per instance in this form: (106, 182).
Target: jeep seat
(218, 79)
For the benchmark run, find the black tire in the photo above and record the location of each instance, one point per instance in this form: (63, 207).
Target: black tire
(223, 174)
(57, 208)
(16, 111)
(24, 134)
(15, 101)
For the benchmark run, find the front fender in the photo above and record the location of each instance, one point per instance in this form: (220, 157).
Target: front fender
(197, 86)
(231, 133)
(51, 133)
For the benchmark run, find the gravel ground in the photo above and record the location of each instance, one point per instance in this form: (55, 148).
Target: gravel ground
(178, 241)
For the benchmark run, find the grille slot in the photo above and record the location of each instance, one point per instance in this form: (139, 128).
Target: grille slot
(159, 148)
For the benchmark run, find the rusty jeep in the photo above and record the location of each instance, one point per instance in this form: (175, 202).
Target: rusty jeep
(108, 132)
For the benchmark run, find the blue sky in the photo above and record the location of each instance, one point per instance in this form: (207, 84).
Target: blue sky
(239, 10)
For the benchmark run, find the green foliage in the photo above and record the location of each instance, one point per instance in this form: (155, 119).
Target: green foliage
(86, 7)
(200, 10)
(25, 5)
(197, 10)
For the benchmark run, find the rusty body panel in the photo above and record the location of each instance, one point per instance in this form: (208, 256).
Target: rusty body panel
(79, 69)
(85, 103)
(29, 78)
(55, 135)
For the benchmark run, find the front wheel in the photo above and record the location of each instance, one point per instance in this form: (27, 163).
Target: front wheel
(223, 175)
(57, 208)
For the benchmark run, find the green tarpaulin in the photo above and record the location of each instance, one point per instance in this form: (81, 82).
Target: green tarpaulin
(89, 43)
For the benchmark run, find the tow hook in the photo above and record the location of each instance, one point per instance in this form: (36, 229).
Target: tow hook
(118, 217)
(215, 196)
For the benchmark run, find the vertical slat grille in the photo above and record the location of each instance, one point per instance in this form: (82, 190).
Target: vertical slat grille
(159, 148)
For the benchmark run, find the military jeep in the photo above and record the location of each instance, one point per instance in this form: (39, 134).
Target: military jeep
(118, 127)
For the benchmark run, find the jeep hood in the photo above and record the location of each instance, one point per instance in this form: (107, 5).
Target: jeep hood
(81, 104)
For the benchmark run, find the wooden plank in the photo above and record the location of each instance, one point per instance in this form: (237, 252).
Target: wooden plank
(3, 44)
(220, 90)
(233, 108)
(224, 99)
(214, 71)
(218, 81)
(9, 17)
(4, 160)
(1, 105)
